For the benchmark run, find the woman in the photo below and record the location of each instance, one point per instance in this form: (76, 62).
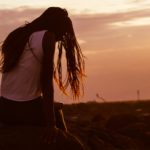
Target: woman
(27, 93)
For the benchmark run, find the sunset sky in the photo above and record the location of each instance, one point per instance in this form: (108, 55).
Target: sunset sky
(114, 36)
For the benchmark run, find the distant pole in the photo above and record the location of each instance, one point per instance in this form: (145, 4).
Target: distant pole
(138, 95)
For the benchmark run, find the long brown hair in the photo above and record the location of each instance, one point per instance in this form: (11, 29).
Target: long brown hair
(56, 20)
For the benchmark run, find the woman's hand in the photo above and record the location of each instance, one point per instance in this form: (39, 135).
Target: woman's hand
(49, 135)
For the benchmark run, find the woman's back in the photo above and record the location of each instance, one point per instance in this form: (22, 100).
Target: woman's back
(23, 82)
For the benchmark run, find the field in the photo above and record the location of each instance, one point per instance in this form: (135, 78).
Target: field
(99, 126)
(110, 126)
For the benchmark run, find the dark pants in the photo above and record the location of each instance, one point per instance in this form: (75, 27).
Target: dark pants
(28, 113)
(22, 113)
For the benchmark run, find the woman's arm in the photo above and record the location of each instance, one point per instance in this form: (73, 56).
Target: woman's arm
(47, 77)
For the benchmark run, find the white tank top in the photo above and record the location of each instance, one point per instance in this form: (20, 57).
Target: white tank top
(23, 82)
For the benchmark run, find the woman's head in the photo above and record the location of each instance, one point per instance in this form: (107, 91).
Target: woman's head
(58, 21)
(54, 19)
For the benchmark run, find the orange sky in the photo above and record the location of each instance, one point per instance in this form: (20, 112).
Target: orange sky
(115, 42)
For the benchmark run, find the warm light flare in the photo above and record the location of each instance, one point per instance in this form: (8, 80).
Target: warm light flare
(134, 22)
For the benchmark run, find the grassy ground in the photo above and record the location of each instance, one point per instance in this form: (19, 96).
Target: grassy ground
(117, 125)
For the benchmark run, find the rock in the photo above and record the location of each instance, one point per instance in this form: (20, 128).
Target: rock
(29, 138)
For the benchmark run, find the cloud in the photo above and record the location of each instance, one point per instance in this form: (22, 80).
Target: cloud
(27, 13)
(14, 15)
(81, 41)
(101, 26)
(94, 30)
(13, 18)
(135, 1)
(134, 22)
(21, 14)
(108, 18)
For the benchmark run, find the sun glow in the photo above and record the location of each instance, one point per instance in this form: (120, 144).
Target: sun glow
(134, 22)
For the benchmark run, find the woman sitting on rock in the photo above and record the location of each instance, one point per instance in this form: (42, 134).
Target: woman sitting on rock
(28, 70)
